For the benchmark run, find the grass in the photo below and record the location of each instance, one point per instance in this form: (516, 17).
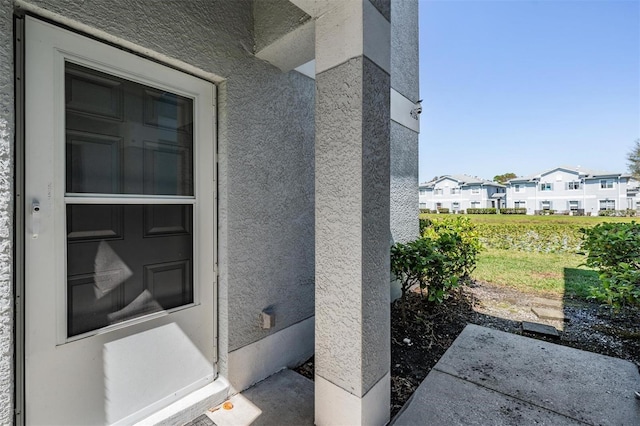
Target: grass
(556, 274)
(530, 219)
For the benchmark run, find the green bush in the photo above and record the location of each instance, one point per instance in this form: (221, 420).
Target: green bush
(511, 210)
(443, 210)
(614, 249)
(439, 260)
(489, 210)
(459, 239)
(420, 262)
(533, 237)
(618, 213)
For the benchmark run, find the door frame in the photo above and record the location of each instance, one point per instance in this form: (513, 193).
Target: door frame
(19, 254)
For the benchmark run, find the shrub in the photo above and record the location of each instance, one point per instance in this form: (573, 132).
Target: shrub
(420, 262)
(614, 249)
(544, 212)
(443, 210)
(618, 213)
(511, 210)
(439, 260)
(533, 237)
(459, 240)
(489, 210)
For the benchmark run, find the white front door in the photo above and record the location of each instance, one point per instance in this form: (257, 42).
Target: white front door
(119, 253)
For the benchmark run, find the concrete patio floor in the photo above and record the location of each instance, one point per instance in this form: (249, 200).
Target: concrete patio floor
(487, 377)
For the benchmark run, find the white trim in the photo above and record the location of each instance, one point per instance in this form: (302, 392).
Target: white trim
(401, 111)
(259, 360)
(377, 36)
(126, 199)
(349, 30)
(191, 406)
(336, 406)
(308, 69)
(292, 49)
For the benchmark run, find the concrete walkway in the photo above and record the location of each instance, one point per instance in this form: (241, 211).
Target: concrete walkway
(489, 377)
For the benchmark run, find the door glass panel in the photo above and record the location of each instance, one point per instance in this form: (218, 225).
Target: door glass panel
(125, 261)
(124, 137)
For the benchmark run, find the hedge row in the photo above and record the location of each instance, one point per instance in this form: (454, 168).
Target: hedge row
(532, 237)
(618, 213)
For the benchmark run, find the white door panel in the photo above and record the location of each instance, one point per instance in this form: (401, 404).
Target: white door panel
(119, 281)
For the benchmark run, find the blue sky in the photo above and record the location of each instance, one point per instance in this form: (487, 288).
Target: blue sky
(522, 86)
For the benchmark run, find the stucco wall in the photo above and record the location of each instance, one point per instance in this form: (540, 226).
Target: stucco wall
(265, 147)
(404, 142)
(404, 183)
(6, 212)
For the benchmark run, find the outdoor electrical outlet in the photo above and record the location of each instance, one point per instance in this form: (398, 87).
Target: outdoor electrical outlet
(268, 319)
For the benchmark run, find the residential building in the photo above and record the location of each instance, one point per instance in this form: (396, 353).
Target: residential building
(574, 189)
(461, 192)
(184, 186)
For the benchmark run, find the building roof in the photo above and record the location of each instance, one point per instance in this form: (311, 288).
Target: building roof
(462, 180)
(581, 171)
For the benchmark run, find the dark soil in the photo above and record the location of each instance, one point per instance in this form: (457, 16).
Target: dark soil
(430, 329)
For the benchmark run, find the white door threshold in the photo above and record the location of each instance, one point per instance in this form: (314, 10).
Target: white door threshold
(191, 406)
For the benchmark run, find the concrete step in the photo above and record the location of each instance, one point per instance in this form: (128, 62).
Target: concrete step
(540, 329)
(547, 303)
(548, 313)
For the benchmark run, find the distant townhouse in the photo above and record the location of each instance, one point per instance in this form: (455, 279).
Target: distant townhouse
(461, 192)
(575, 190)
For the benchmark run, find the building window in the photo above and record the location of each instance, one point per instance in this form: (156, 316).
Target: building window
(607, 204)
(455, 191)
(475, 190)
(455, 206)
(437, 191)
(516, 188)
(574, 205)
(438, 206)
(606, 184)
(475, 204)
(423, 205)
(520, 204)
(546, 186)
(423, 191)
(545, 205)
(573, 185)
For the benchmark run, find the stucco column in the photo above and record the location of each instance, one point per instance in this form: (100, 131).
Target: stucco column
(352, 167)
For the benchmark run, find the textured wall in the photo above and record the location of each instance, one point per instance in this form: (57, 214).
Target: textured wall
(352, 192)
(404, 183)
(376, 328)
(404, 142)
(265, 145)
(6, 211)
(404, 48)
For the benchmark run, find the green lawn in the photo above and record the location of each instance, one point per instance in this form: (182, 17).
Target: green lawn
(556, 274)
(528, 253)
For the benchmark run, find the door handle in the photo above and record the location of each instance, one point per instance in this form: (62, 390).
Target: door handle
(35, 219)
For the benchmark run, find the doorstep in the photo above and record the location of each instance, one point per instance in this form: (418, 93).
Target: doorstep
(285, 398)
